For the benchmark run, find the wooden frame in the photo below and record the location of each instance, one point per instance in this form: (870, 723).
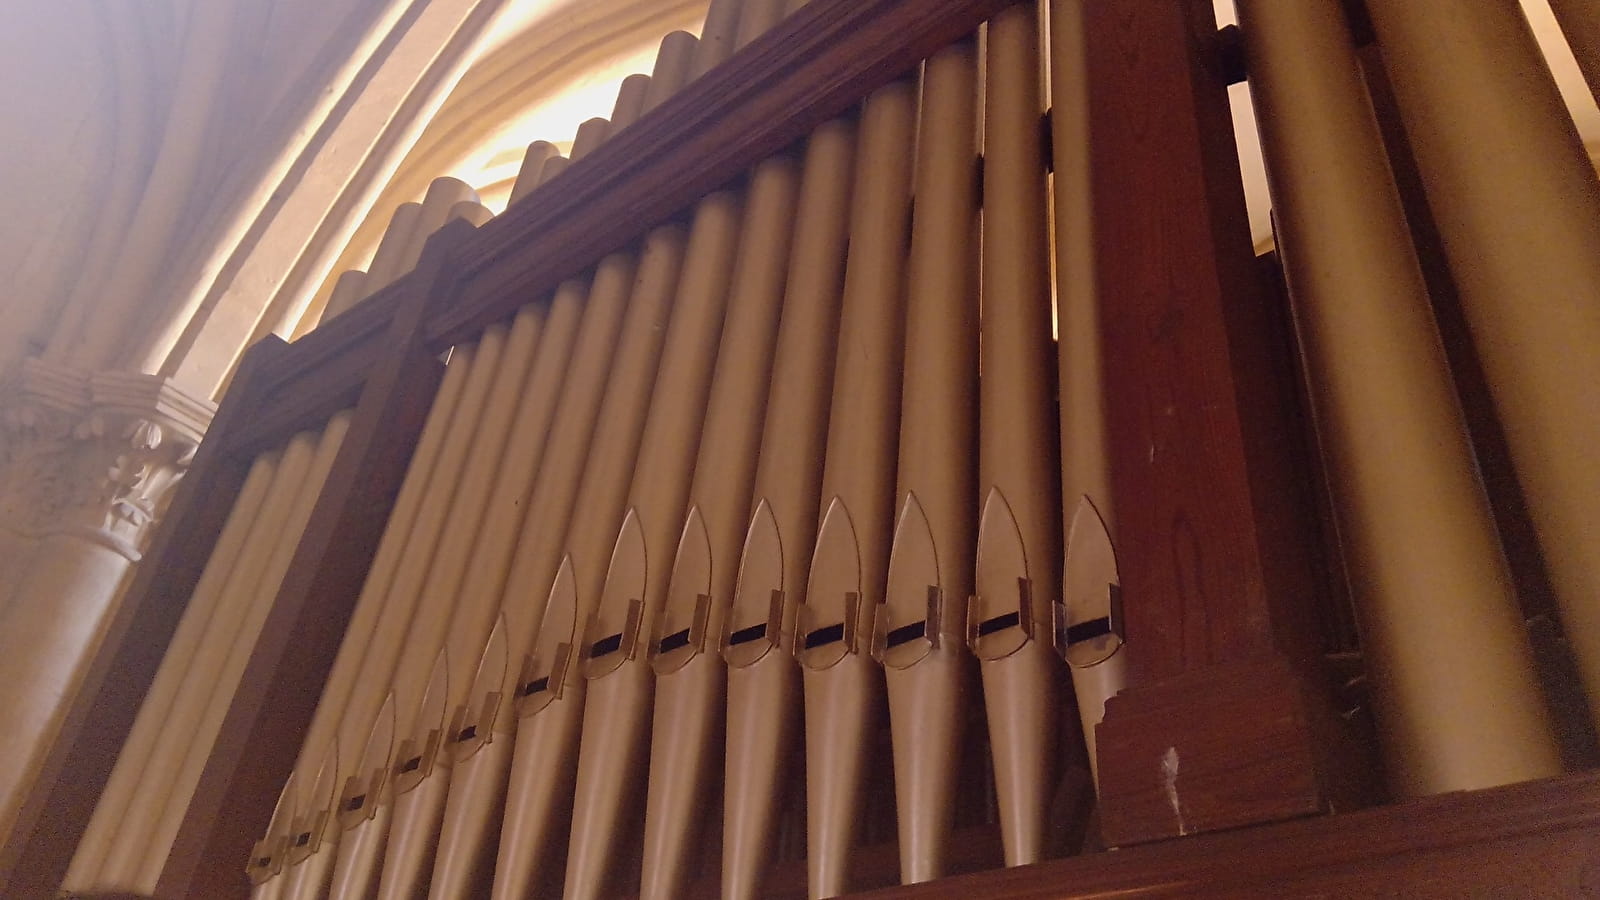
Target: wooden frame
(1213, 534)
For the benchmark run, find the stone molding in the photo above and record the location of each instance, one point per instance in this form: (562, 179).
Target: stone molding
(94, 454)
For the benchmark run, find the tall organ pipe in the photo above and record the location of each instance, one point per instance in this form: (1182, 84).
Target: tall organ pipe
(842, 685)
(602, 304)
(1517, 205)
(473, 617)
(545, 759)
(205, 604)
(352, 723)
(1090, 579)
(763, 677)
(690, 675)
(1019, 490)
(203, 734)
(918, 632)
(313, 811)
(157, 772)
(472, 803)
(1438, 615)
(612, 763)
(413, 673)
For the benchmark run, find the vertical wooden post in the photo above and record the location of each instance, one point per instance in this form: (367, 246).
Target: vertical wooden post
(35, 856)
(1218, 725)
(282, 684)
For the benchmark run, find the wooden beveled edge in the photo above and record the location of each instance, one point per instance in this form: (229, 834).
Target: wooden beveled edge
(322, 372)
(289, 664)
(56, 810)
(815, 65)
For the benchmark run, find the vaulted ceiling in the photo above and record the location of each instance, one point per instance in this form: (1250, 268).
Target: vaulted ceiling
(180, 177)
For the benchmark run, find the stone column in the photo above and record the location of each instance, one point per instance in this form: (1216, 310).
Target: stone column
(87, 462)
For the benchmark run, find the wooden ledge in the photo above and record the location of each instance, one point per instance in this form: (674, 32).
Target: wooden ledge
(1538, 839)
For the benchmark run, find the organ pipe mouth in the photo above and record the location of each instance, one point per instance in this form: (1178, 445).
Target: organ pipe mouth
(822, 645)
(997, 637)
(538, 687)
(1088, 622)
(266, 859)
(748, 645)
(671, 652)
(903, 646)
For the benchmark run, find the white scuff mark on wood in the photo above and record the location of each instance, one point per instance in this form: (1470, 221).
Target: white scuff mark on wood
(1169, 780)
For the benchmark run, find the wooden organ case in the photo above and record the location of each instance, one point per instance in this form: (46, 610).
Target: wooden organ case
(723, 519)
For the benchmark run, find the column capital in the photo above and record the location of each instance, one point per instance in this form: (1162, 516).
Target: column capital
(93, 453)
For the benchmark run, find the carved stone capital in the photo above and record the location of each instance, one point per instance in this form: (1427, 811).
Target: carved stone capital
(93, 453)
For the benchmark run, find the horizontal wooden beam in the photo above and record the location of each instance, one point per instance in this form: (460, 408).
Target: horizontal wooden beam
(1539, 839)
(817, 64)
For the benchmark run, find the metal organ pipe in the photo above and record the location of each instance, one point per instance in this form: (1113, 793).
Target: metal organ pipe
(918, 629)
(1019, 492)
(1438, 615)
(1517, 205)
(843, 686)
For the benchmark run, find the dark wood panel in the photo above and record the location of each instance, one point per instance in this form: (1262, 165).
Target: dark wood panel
(818, 63)
(283, 680)
(1215, 523)
(61, 800)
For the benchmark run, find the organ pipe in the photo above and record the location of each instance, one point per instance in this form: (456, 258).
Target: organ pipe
(1019, 521)
(1517, 205)
(918, 628)
(843, 687)
(1438, 614)
(764, 701)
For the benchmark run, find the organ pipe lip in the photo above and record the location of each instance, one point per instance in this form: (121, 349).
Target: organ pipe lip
(309, 827)
(820, 640)
(759, 590)
(267, 855)
(1088, 623)
(471, 728)
(608, 642)
(908, 623)
(414, 761)
(680, 632)
(359, 799)
(1001, 616)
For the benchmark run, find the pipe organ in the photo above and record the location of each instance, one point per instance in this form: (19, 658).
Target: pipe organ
(873, 455)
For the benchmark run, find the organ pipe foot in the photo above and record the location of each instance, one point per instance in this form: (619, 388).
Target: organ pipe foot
(611, 769)
(476, 804)
(539, 795)
(414, 836)
(763, 723)
(926, 711)
(687, 723)
(1021, 698)
(355, 873)
(310, 879)
(841, 706)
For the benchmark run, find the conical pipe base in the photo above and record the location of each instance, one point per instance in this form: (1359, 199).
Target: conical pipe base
(927, 707)
(355, 874)
(684, 739)
(611, 774)
(414, 837)
(538, 796)
(763, 729)
(842, 708)
(1021, 697)
(472, 815)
